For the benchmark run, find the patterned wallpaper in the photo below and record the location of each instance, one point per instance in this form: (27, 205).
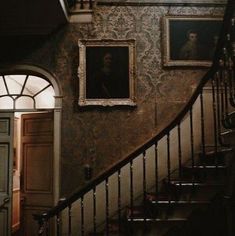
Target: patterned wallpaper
(152, 2)
(102, 136)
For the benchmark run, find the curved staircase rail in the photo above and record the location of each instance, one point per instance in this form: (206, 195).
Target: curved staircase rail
(220, 79)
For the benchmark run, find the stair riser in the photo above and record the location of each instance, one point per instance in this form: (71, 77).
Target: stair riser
(175, 211)
(204, 173)
(213, 158)
(152, 228)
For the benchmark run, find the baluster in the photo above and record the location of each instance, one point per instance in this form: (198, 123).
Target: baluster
(168, 159)
(232, 96)
(94, 210)
(179, 152)
(222, 86)
(203, 130)
(232, 99)
(144, 182)
(107, 204)
(156, 169)
(223, 75)
(232, 37)
(192, 139)
(225, 82)
(168, 165)
(47, 227)
(82, 216)
(90, 4)
(70, 222)
(81, 4)
(42, 227)
(58, 225)
(230, 84)
(214, 119)
(119, 200)
(144, 175)
(131, 188)
(71, 3)
(230, 63)
(226, 99)
(218, 105)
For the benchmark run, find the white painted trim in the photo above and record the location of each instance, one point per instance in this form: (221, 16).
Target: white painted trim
(62, 3)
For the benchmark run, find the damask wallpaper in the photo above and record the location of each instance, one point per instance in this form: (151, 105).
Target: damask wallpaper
(102, 136)
(158, 2)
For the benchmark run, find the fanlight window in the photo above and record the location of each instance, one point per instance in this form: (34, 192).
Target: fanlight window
(25, 92)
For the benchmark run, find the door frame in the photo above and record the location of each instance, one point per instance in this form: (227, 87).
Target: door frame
(43, 73)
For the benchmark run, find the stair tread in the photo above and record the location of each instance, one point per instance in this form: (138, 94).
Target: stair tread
(135, 215)
(156, 219)
(206, 167)
(211, 150)
(195, 183)
(139, 214)
(154, 199)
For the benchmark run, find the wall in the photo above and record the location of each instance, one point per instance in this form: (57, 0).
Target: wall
(102, 136)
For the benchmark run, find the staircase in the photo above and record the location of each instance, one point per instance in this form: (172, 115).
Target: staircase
(188, 200)
(180, 182)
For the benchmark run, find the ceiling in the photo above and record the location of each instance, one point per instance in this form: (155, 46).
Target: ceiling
(31, 17)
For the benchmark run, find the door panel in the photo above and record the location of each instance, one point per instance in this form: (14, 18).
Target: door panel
(4, 165)
(40, 182)
(6, 151)
(4, 225)
(37, 153)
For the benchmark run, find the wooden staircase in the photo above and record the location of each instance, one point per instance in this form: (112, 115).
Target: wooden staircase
(189, 200)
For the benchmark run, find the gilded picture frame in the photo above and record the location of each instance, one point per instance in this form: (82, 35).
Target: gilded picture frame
(190, 40)
(106, 72)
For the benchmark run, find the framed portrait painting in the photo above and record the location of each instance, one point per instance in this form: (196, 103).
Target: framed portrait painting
(190, 40)
(106, 72)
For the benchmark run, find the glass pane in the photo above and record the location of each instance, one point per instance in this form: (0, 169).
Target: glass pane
(3, 90)
(15, 83)
(46, 98)
(6, 103)
(34, 85)
(24, 102)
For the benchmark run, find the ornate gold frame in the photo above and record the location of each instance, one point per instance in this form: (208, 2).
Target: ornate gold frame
(82, 72)
(168, 50)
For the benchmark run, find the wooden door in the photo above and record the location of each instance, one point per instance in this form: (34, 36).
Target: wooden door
(37, 154)
(6, 163)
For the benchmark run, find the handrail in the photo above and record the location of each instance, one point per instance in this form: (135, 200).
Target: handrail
(103, 176)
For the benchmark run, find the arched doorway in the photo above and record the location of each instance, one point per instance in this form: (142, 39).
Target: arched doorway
(30, 98)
